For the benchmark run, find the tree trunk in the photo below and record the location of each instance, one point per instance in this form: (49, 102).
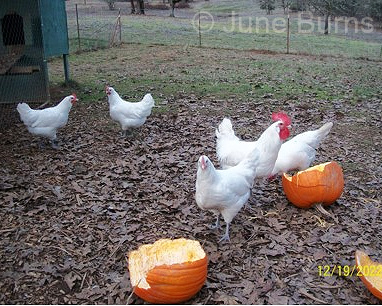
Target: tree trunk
(111, 4)
(141, 6)
(132, 7)
(172, 14)
(326, 31)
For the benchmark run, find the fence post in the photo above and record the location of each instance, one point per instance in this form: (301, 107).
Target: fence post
(200, 33)
(78, 29)
(120, 27)
(288, 32)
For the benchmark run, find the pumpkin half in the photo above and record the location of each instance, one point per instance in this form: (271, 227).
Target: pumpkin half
(323, 183)
(168, 271)
(370, 273)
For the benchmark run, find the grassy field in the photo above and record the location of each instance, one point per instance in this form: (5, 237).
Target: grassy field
(240, 25)
(169, 71)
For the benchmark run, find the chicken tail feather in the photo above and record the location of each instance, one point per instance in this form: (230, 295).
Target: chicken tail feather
(23, 109)
(148, 100)
(325, 129)
(225, 129)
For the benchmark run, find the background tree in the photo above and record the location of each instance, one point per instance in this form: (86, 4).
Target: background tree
(268, 5)
(140, 5)
(132, 6)
(298, 5)
(173, 3)
(327, 8)
(375, 10)
(111, 4)
(285, 4)
(348, 8)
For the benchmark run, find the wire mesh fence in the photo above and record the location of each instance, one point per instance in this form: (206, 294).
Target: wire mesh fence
(23, 75)
(93, 25)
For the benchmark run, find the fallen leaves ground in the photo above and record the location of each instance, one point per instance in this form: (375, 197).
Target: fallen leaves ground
(70, 216)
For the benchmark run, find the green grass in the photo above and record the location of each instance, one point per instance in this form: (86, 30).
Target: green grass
(230, 76)
(229, 6)
(170, 31)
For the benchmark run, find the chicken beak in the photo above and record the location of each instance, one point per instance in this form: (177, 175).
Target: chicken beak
(75, 99)
(203, 163)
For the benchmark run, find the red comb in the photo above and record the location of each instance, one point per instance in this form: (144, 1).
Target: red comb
(283, 117)
(74, 95)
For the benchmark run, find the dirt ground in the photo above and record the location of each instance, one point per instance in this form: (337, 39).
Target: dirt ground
(70, 216)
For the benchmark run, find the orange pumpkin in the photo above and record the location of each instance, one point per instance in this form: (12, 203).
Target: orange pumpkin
(168, 271)
(370, 273)
(323, 183)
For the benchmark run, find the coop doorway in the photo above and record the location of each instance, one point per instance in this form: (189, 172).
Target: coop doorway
(12, 27)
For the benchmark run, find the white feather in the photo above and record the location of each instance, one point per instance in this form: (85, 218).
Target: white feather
(129, 114)
(225, 191)
(299, 152)
(45, 122)
(231, 150)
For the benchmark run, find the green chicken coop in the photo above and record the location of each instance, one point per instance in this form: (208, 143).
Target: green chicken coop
(31, 32)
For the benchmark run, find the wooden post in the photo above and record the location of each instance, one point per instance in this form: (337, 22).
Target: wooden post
(117, 28)
(288, 32)
(200, 33)
(66, 68)
(78, 29)
(120, 27)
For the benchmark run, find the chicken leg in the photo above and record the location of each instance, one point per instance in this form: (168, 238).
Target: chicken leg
(225, 237)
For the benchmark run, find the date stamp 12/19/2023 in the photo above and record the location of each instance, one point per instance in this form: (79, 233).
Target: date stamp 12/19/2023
(347, 271)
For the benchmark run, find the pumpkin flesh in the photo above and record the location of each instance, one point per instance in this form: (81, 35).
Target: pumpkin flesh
(168, 271)
(370, 273)
(323, 183)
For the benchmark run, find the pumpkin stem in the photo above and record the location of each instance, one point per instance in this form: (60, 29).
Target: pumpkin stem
(322, 210)
(132, 292)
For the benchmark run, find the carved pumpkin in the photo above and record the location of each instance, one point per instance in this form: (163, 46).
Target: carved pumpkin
(323, 183)
(168, 271)
(370, 273)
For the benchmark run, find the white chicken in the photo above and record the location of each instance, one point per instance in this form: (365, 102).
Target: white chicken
(299, 152)
(45, 122)
(225, 191)
(231, 150)
(128, 114)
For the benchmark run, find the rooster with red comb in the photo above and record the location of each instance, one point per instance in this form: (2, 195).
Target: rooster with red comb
(231, 150)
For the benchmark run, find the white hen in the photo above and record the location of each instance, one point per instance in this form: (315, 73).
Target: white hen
(129, 114)
(45, 122)
(299, 152)
(225, 191)
(231, 150)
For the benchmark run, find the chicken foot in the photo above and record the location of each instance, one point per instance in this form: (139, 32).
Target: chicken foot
(217, 223)
(225, 237)
(127, 133)
(54, 144)
(41, 144)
